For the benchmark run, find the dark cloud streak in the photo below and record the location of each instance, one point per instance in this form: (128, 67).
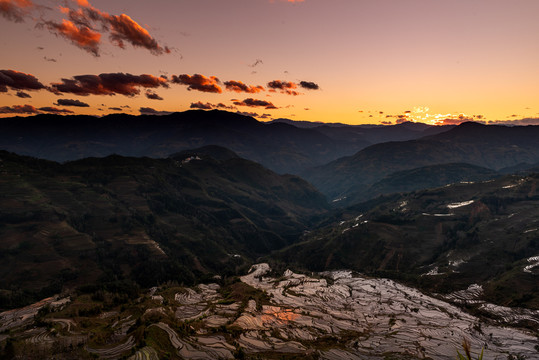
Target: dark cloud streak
(23, 95)
(71, 102)
(153, 96)
(18, 81)
(309, 85)
(255, 103)
(108, 84)
(238, 86)
(151, 111)
(198, 82)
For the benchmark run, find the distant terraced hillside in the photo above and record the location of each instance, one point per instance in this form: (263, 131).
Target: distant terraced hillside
(441, 239)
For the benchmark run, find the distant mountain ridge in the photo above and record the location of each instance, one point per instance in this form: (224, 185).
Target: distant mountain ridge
(493, 147)
(282, 147)
(370, 133)
(420, 178)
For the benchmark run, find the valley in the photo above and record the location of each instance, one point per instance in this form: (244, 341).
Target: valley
(396, 252)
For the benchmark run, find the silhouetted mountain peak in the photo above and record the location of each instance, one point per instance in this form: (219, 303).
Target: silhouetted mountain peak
(416, 126)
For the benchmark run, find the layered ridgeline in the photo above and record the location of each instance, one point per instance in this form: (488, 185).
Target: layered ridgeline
(444, 239)
(114, 219)
(492, 147)
(364, 135)
(282, 147)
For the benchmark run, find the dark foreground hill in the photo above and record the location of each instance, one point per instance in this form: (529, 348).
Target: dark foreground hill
(114, 219)
(442, 240)
(493, 147)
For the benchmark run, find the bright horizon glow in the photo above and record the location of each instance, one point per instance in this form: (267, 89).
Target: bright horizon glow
(375, 62)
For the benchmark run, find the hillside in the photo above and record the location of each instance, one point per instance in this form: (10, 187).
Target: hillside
(441, 240)
(139, 219)
(493, 147)
(424, 177)
(264, 315)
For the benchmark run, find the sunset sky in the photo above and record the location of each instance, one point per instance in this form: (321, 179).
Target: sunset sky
(350, 61)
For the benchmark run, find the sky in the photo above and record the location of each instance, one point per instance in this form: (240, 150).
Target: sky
(348, 61)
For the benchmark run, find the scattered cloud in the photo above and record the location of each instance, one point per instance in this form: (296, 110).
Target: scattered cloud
(209, 106)
(245, 113)
(71, 102)
(150, 111)
(80, 35)
(281, 85)
(285, 87)
(15, 10)
(256, 63)
(53, 110)
(401, 119)
(386, 122)
(201, 105)
(255, 103)
(29, 109)
(198, 82)
(152, 95)
(108, 84)
(309, 85)
(239, 87)
(226, 107)
(84, 27)
(18, 109)
(18, 81)
(23, 95)
(115, 108)
(124, 29)
(49, 59)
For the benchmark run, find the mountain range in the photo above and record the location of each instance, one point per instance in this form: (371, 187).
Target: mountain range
(282, 147)
(489, 146)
